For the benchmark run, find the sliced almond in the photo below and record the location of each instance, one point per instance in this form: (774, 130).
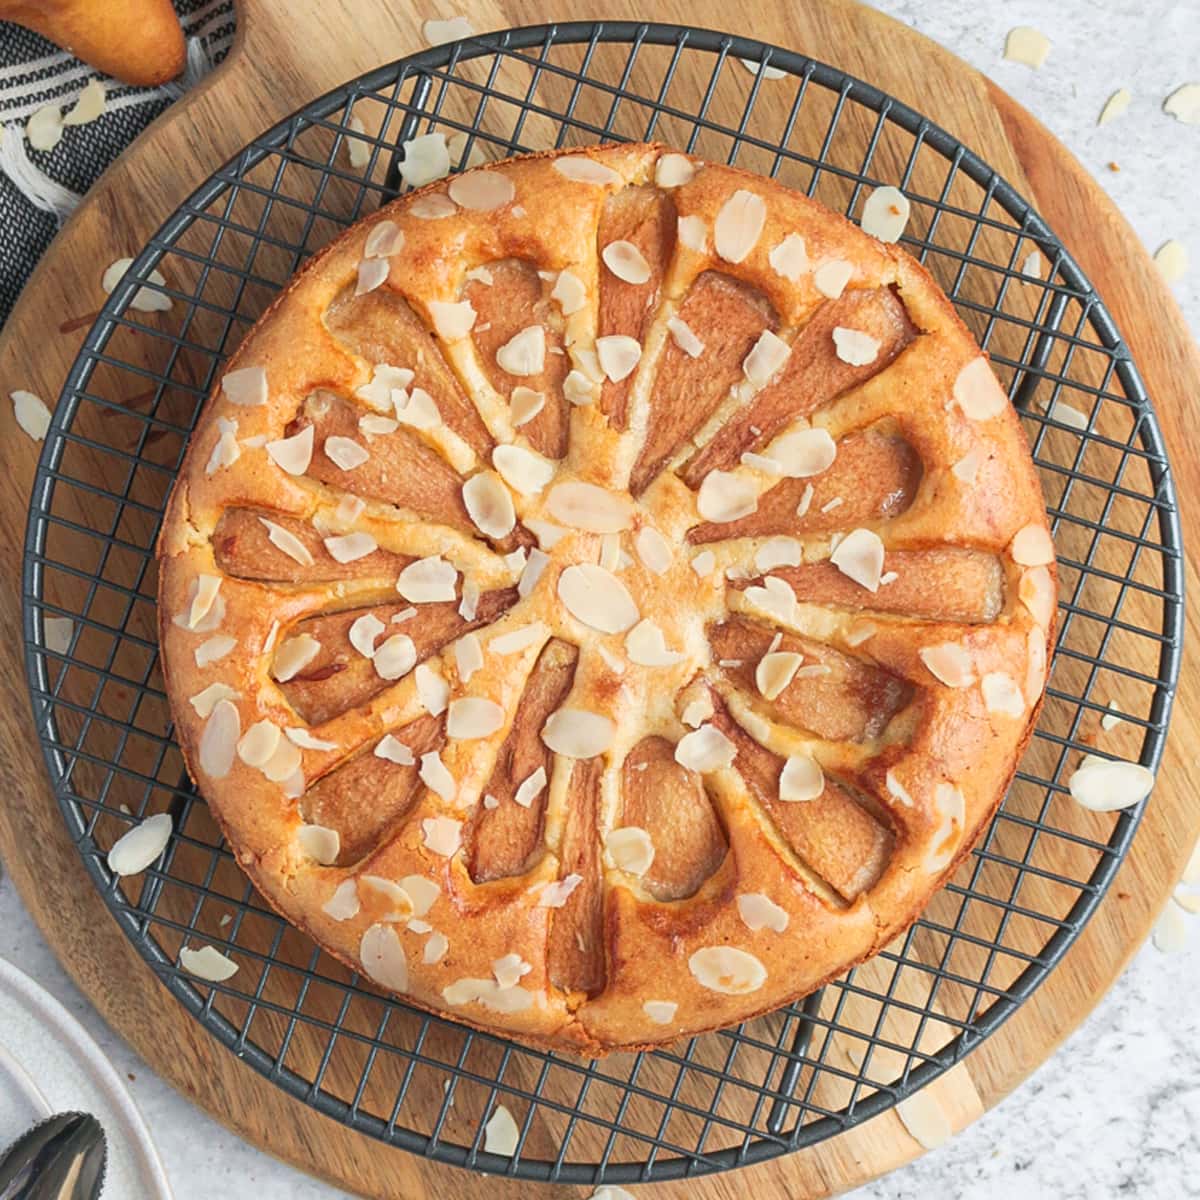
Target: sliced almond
(1171, 258)
(728, 970)
(977, 391)
(579, 389)
(534, 568)
(803, 453)
(207, 963)
(525, 471)
(344, 904)
(144, 299)
(967, 467)
(452, 29)
(519, 639)
(831, 278)
(207, 587)
(683, 337)
(395, 657)
(653, 550)
(385, 380)
(259, 743)
(44, 129)
(950, 806)
(578, 733)
(452, 319)
(247, 386)
(1106, 785)
(778, 552)
(524, 353)
(885, 214)
(1184, 104)
(673, 170)
(432, 207)
(372, 273)
(364, 632)
(204, 702)
(1170, 931)
(801, 779)
(382, 957)
(1036, 592)
(286, 541)
(218, 742)
(775, 671)
(859, 556)
(139, 847)
(427, 581)
(739, 225)
(897, 790)
(500, 1134)
(629, 849)
(766, 358)
(1002, 695)
(661, 1012)
(619, 355)
(949, 663)
(761, 912)
(775, 598)
(855, 347)
(597, 597)
(705, 749)
(925, 1119)
(524, 405)
(319, 843)
(588, 507)
(556, 894)
(426, 159)
(1112, 717)
(509, 970)
(350, 547)
(384, 240)
(436, 776)
(570, 292)
(693, 233)
(697, 711)
(293, 454)
(211, 651)
(703, 563)
(489, 504)
(432, 689)
(345, 453)
(306, 741)
(224, 454)
(725, 497)
(1027, 46)
(790, 258)
(1032, 546)
(648, 648)
(89, 104)
(531, 788)
(579, 168)
(468, 656)
(391, 749)
(473, 717)
(294, 655)
(482, 191)
(626, 262)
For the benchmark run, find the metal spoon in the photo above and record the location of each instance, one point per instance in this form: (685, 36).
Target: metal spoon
(61, 1158)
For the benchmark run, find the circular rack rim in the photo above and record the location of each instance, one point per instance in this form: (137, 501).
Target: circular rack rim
(724, 46)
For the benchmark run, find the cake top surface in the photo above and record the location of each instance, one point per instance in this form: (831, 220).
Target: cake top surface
(605, 595)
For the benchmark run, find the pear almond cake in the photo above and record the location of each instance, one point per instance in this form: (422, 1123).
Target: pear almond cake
(606, 595)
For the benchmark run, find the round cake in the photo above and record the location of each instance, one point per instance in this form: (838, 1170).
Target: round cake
(605, 595)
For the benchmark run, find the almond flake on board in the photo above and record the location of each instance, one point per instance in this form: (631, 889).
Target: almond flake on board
(140, 846)
(1112, 717)
(146, 299)
(358, 151)
(500, 1134)
(762, 69)
(1106, 785)
(207, 963)
(31, 413)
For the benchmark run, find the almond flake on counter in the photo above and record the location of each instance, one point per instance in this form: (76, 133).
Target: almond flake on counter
(1171, 258)
(1034, 266)
(31, 413)
(1114, 106)
(885, 214)
(1027, 46)
(1112, 718)
(138, 847)
(207, 963)
(1184, 104)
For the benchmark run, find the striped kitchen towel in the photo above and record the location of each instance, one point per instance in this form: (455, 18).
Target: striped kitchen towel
(38, 189)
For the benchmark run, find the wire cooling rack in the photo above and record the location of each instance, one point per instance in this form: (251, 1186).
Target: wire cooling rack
(424, 1083)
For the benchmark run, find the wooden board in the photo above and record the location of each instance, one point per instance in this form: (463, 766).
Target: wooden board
(289, 51)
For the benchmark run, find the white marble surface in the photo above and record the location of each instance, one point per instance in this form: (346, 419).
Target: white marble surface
(1116, 1112)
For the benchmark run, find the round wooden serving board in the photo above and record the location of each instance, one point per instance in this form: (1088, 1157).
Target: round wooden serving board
(290, 51)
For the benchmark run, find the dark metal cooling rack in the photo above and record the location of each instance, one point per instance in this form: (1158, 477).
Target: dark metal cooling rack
(424, 1083)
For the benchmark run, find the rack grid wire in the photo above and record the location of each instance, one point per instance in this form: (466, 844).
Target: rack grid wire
(421, 1082)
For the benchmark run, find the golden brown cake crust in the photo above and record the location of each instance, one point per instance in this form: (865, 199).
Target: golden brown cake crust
(531, 739)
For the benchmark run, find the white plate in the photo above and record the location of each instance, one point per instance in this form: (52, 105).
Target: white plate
(49, 1064)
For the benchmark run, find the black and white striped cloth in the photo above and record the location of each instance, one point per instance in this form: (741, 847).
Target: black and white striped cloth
(38, 190)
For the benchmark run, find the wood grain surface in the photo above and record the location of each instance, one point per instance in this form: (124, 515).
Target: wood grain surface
(290, 51)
